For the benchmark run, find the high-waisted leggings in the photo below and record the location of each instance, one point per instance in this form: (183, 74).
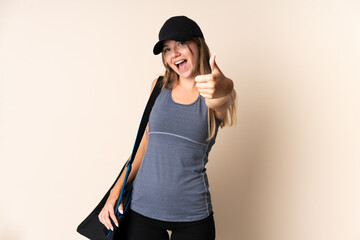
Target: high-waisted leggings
(140, 227)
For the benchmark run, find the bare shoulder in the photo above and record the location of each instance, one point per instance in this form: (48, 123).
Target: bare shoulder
(153, 84)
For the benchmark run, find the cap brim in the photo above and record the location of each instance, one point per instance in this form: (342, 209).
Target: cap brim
(158, 47)
(177, 37)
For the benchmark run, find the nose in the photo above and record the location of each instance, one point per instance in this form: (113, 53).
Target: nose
(175, 52)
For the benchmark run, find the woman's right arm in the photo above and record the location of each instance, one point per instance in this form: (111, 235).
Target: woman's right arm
(108, 210)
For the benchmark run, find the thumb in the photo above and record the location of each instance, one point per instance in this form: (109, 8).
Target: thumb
(212, 62)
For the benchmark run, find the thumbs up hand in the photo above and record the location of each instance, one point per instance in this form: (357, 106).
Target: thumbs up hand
(213, 85)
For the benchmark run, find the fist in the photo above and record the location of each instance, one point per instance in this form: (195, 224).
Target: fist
(213, 85)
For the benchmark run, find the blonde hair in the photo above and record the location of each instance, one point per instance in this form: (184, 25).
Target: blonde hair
(171, 77)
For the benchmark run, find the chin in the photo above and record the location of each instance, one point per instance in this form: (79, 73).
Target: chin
(187, 75)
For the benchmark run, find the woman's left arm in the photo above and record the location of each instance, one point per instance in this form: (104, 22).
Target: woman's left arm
(217, 90)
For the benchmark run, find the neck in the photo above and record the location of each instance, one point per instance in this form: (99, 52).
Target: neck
(187, 83)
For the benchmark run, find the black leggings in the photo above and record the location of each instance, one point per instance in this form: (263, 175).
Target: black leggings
(140, 227)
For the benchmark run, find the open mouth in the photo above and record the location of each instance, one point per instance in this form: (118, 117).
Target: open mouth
(181, 64)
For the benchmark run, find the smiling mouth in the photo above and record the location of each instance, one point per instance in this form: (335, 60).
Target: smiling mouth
(180, 64)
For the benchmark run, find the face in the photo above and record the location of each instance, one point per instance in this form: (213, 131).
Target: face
(182, 57)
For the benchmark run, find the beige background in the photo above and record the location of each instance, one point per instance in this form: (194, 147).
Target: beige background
(76, 74)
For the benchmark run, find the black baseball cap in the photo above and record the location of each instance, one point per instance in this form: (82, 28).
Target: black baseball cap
(178, 28)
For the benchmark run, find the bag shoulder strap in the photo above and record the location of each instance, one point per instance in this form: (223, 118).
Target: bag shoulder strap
(145, 118)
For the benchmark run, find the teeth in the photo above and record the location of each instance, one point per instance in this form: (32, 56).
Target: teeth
(179, 62)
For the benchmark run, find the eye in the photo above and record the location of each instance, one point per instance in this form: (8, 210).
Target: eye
(166, 50)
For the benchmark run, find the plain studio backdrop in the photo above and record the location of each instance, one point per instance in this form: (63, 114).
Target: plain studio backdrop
(75, 77)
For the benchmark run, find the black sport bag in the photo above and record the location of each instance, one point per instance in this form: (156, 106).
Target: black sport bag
(91, 227)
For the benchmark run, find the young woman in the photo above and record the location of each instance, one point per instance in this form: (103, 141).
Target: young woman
(171, 190)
